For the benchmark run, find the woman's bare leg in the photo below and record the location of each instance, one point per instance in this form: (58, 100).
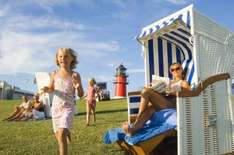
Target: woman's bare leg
(26, 118)
(19, 114)
(151, 101)
(17, 110)
(20, 117)
(139, 123)
(148, 95)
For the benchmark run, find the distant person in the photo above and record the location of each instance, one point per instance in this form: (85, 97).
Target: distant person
(91, 101)
(63, 84)
(35, 110)
(97, 94)
(26, 114)
(38, 108)
(19, 109)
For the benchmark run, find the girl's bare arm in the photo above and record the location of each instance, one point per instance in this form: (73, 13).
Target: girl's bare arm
(77, 84)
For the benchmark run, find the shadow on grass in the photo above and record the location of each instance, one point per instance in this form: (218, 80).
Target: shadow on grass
(103, 112)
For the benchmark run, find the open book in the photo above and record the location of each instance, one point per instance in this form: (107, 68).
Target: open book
(160, 84)
(42, 80)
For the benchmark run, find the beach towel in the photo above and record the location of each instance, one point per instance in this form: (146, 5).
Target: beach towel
(161, 121)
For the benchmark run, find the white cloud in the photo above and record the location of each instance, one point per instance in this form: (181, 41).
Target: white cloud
(49, 5)
(177, 1)
(112, 46)
(27, 23)
(120, 3)
(24, 52)
(115, 63)
(29, 52)
(134, 71)
(3, 12)
(28, 42)
(24, 49)
(104, 78)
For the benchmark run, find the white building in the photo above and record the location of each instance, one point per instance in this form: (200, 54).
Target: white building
(8, 91)
(232, 88)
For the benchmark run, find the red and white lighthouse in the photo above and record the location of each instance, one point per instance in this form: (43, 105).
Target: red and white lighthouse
(120, 82)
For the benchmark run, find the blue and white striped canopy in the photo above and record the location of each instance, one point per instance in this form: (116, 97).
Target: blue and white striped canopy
(168, 41)
(183, 15)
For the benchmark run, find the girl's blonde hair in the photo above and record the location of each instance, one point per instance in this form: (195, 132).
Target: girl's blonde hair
(73, 55)
(92, 81)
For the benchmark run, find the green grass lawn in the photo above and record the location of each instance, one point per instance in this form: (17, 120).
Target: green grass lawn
(36, 137)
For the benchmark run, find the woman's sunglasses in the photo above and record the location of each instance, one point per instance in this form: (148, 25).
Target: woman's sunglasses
(175, 69)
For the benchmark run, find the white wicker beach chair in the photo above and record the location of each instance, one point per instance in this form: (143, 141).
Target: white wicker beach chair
(205, 119)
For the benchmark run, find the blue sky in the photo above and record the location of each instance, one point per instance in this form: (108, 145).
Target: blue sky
(101, 31)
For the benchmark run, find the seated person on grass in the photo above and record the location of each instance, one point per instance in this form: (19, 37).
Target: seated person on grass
(38, 108)
(25, 114)
(153, 101)
(19, 109)
(35, 111)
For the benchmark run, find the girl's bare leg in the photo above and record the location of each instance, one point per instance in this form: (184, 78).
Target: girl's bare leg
(94, 115)
(88, 111)
(68, 137)
(56, 135)
(62, 141)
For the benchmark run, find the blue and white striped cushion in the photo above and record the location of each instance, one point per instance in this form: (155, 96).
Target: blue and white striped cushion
(188, 67)
(133, 105)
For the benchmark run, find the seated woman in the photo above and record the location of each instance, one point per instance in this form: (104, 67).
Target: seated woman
(152, 101)
(34, 111)
(19, 109)
(26, 114)
(38, 108)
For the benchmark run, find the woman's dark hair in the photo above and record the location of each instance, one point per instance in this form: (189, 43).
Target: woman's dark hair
(183, 74)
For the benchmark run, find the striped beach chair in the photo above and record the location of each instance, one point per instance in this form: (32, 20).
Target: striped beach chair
(205, 119)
